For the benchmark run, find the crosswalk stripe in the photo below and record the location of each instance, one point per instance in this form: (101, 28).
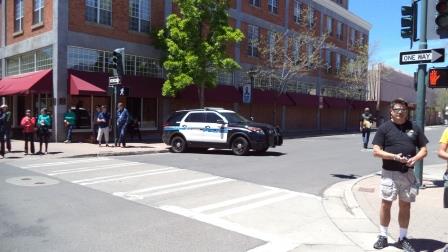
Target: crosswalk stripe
(129, 177)
(120, 175)
(184, 188)
(253, 205)
(78, 161)
(234, 201)
(93, 168)
(154, 188)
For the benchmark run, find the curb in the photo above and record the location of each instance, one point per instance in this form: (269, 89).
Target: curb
(342, 208)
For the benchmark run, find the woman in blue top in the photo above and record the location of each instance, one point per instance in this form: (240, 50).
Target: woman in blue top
(43, 129)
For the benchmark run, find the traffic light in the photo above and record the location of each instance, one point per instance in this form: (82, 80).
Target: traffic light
(409, 21)
(442, 17)
(438, 77)
(118, 62)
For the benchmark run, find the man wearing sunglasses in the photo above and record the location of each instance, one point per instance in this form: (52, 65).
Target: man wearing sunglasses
(396, 142)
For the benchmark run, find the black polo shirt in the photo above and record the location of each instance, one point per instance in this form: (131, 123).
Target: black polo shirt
(395, 138)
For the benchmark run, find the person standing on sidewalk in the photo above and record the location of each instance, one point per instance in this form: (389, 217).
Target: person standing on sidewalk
(122, 122)
(95, 120)
(103, 121)
(28, 124)
(365, 125)
(43, 129)
(69, 122)
(396, 142)
(443, 148)
(8, 122)
(2, 132)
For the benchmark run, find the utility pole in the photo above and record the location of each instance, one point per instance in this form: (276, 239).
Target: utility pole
(421, 87)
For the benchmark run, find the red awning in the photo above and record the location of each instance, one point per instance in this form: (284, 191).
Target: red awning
(79, 86)
(35, 82)
(270, 97)
(139, 86)
(222, 93)
(304, 100)
(332, 102)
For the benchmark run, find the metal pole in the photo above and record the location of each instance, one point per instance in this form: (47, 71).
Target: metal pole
(421, 88)
(114, 114)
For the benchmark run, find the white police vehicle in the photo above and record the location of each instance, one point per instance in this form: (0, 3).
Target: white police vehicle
(218, 128)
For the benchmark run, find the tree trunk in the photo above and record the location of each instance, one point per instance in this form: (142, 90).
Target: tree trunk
(201, 90)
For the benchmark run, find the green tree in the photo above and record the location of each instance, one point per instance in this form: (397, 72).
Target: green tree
(195, 42)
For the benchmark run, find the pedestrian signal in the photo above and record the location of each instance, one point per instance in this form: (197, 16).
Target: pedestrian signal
(438, 78)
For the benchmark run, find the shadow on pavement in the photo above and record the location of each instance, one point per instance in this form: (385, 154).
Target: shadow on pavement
(345, 176)
(230, 153)
(426, 245)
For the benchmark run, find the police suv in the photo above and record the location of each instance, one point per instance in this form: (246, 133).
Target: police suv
(218, 128)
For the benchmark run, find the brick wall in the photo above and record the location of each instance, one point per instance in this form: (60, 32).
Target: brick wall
(28, 29)
(120, 22)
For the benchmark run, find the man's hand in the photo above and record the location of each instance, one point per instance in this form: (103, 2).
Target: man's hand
(411, 161)
(400, 158)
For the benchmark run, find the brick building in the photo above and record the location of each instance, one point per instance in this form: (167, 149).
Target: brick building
(56, 54)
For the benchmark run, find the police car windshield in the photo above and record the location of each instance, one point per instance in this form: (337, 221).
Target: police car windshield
(234, 117)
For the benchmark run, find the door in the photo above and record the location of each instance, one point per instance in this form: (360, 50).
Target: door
(192, 127)
(215, 132)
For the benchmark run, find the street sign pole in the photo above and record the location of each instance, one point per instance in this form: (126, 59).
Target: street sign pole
(421, 88)
(114, 113)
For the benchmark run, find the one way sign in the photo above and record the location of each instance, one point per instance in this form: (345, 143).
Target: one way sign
(423, 56)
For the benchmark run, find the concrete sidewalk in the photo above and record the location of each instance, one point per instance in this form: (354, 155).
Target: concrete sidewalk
(353, 207)
(69, 150)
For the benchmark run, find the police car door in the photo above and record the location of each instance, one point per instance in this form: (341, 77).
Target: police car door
(193, 125)
(215, 132)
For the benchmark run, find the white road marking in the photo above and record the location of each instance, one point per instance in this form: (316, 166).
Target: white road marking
(78, 161)
(93, 168)
(234, 201)
(154, 188)
(121, 175)
(185, 188)
(128, 177)
(253, 205)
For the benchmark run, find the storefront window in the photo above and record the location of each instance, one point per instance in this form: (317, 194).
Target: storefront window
(149, 116)
(82, 106)
(30, 62)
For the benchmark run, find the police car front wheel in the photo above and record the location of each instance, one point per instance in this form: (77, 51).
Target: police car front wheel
(178, 144)
(240, 146)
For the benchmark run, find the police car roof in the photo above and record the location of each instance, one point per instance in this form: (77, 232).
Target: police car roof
(220, 110)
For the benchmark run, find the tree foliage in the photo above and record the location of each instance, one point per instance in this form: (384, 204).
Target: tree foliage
(196, 40)
(354, 71)
(289, 55)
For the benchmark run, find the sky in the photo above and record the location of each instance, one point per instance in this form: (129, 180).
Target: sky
(384, 38)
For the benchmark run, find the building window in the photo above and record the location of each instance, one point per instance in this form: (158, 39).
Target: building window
(38, 11)
(88, 60)
(225, 78)
(330, 26)
(328, 60)
(296, 51)
(139, 15)
(18, 15)
(340, 31)
(253, 37)
(309, 50)
(271, 44)
(310, 16)
(338, 62)
(352, 36)
(273, 6)
(297, 11)
(99, 11)
(255, 3)
(30, 62)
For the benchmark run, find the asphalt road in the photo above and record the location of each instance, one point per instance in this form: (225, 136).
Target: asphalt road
(210, 201)
(304, 165)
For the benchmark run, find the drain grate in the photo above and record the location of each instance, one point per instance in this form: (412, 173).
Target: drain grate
(32, 181)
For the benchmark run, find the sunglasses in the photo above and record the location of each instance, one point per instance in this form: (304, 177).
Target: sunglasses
(399, 110)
